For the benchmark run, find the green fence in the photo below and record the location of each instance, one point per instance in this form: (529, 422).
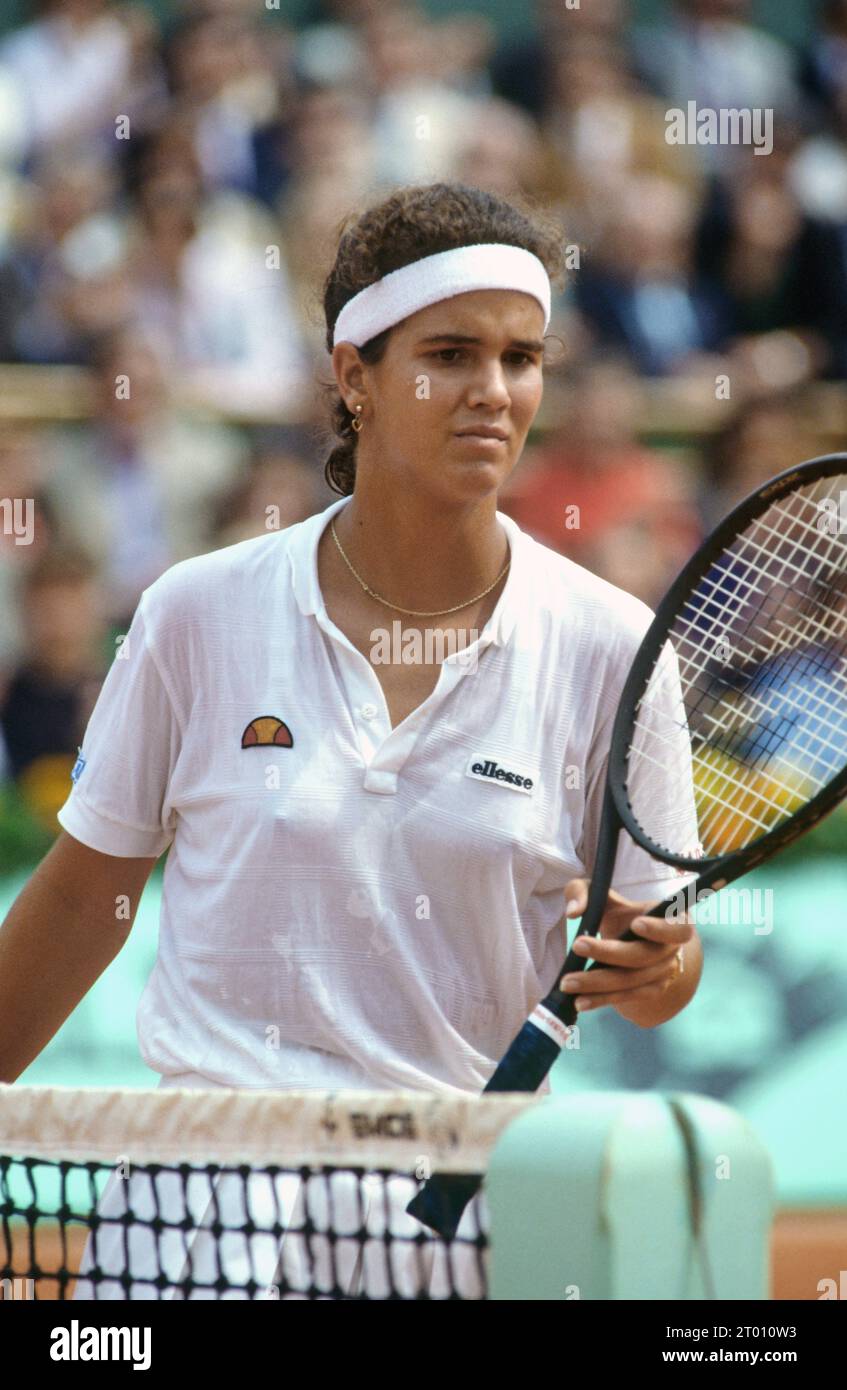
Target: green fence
(766, 1032)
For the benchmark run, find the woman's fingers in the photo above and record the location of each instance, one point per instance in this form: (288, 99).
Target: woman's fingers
(660, 930)
(576, 897)
(626, 955)
(603, 981)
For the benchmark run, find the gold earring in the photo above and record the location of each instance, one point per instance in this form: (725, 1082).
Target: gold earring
(358, 422)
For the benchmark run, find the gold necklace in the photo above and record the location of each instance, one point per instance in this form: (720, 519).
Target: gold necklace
(414, 612)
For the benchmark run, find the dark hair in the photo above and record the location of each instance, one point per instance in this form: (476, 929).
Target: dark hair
(417, 221)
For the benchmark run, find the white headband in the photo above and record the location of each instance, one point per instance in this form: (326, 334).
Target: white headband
(486, 266)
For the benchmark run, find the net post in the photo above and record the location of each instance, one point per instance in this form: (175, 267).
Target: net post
(590, 1197)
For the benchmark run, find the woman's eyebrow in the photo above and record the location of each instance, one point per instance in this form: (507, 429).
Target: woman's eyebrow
(527, 344)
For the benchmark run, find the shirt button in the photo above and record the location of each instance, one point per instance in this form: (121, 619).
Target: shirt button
(368, 711)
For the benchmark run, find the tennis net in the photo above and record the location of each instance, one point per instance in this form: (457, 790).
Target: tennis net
(220, 1194)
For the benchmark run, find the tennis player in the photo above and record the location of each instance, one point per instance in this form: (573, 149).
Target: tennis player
(374, 742)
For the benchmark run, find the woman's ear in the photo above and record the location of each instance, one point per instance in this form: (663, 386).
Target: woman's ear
(349, 371)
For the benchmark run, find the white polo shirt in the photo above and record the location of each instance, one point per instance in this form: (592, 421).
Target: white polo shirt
(347, 905)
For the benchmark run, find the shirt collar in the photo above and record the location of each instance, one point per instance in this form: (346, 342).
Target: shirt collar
(303, 558)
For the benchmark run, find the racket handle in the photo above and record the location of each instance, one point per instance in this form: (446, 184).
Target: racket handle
(443, 1197)
(442, 1200)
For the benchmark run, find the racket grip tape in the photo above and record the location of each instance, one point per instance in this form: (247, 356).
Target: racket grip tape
(443, 1197)
(441, 1201)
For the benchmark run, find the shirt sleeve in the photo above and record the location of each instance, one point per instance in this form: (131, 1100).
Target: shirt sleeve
(660, 790)
(119, 800)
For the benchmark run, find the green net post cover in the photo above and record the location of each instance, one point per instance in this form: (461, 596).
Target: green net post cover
(623, 1195)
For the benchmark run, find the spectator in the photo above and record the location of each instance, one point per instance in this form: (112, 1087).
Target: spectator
(219, 68)
(600, 128)
(77, 66)
(331, 168)
(279, 489)
(501, 151)
(765, 435)
(640, 291)
(595, 494)
(66, 226)
(818, 172)
(28, 528)
(47, 702)
(779, 268)
(706, 52)
(522, 68)
(823, 67)
(233, 338)
(418, 114)
(135, 486)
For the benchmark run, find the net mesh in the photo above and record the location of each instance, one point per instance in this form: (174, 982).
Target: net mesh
(171, 1194)
(746, 706)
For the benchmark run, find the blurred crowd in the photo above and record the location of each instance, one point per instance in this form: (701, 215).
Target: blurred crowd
(170, 195)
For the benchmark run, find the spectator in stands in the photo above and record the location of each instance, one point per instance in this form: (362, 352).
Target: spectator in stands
(823, 66)
(523, 65)
(77, 65)
(46, 704)
(222, 82)
(705, 51)
(279, 489)
(418, 111)
(501, 150)
(764, 435)
(600, 127)
(780, 269)
(231, 335)
(135, 486)
(817, 175)
(595, 494)
(639, 290)
(66, 227)
(331, 167)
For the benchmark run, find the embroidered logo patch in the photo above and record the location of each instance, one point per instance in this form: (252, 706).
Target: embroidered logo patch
(486, 770)
(267, 732)
(76, 770)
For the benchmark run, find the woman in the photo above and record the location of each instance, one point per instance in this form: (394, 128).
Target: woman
(369, 855)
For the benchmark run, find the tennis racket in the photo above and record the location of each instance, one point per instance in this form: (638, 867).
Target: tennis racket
(730, 738)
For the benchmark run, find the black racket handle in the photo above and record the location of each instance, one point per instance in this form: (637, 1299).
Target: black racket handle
(443, 1197)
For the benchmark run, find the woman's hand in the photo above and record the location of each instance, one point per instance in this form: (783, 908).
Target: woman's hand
(647, 981)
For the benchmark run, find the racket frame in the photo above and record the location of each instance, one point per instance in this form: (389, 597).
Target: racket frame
(715, 870)
(443, 1197)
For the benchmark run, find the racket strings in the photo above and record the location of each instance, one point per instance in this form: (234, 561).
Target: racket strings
(747, 700)
(724, 733)
(765, 647)
(768, 742)
(830, 694)
(721, 735)
(749, 549)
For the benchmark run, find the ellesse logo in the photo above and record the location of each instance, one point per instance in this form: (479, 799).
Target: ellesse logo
(487, 770)
(265, 732)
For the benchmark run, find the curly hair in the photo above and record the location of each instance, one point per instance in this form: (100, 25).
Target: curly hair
(417, 221)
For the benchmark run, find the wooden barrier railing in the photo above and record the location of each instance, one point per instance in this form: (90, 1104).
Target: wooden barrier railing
(678, 408)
